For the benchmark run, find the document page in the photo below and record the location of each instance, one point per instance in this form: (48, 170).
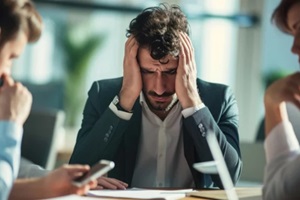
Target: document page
(243, 193)
(137, 193)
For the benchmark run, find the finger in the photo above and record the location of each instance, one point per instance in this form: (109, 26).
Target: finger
(293, 89)
(117, 182)
(182, 58)
(98, 187)
(190, 49)
(296, 103)
(93, 184)
(130, 43)
(189, 42)
(112, 180)
(76, 170)
(133, 48)
(184, 46)
(107, 185)
(190, 53)
(82, 190)
(7, 80)
(111, 183)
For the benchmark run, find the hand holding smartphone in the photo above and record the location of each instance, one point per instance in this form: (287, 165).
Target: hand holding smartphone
(96, 171)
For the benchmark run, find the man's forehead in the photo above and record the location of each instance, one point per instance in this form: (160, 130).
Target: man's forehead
(144, 55)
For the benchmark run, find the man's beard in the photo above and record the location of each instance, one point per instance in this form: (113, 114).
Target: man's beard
(161, 107)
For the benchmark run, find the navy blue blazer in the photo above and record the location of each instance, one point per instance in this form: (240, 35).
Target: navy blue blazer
(103, 135)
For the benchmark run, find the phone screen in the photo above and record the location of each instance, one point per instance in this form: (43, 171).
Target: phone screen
(1, 81)
(95, 172)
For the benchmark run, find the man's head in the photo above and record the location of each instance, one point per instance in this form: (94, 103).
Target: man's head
(156, 31)
(20, 23)
(287, 18)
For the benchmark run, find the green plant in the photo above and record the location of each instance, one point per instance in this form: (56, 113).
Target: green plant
(273, 75)
(78, 54)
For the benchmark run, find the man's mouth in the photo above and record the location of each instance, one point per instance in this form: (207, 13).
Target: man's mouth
(160, 98)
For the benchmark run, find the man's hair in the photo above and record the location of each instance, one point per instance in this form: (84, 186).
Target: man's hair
(158, 28)
(279, 16)
(17, 16)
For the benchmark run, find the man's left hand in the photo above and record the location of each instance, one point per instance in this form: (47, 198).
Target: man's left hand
(185, 85)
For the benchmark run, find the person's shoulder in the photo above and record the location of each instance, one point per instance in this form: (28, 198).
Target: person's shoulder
(107, 84)
(205, 85)
(110, 81)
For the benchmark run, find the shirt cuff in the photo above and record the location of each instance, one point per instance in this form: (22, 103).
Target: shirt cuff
(121, 114)
(280, 141)
(12, 130)
(190, 111)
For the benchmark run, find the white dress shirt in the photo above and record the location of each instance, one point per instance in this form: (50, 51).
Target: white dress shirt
(282, 177)
(281, 141)
(160, 159)
(30, 170)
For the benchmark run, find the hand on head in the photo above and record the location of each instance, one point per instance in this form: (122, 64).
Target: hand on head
(132, 80)
(284, 90)
(15, 101)
(185, 85)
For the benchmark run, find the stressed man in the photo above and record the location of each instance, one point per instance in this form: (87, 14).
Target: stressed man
(152, 122)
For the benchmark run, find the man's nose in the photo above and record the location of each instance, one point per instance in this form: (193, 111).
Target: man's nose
(160, 84)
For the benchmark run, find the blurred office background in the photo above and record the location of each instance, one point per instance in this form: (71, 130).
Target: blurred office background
(83, 41)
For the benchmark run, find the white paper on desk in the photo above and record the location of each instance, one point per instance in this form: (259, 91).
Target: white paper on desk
(136, 193)
(71, 197)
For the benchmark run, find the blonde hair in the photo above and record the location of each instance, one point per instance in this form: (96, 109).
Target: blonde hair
(16, 16)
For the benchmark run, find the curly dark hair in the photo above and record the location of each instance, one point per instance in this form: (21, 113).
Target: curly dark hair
(279, 15)
(158, 28)
(16, 16)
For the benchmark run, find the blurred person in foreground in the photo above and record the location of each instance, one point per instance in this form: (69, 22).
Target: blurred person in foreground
(20, 24)
(282, 177)
(152, 122)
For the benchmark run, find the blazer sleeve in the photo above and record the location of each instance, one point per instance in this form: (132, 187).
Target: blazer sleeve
(101, 129)
(224, 124)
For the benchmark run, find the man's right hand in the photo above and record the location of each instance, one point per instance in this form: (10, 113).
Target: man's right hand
(15, 101)
(132, 79)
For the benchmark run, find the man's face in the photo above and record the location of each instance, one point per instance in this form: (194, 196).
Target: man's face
(158, 80)
(293, 21)
(11, 50)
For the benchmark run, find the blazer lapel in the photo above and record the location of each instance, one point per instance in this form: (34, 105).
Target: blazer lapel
(132, 139)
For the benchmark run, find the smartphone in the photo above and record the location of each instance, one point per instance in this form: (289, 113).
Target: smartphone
(96, 171)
